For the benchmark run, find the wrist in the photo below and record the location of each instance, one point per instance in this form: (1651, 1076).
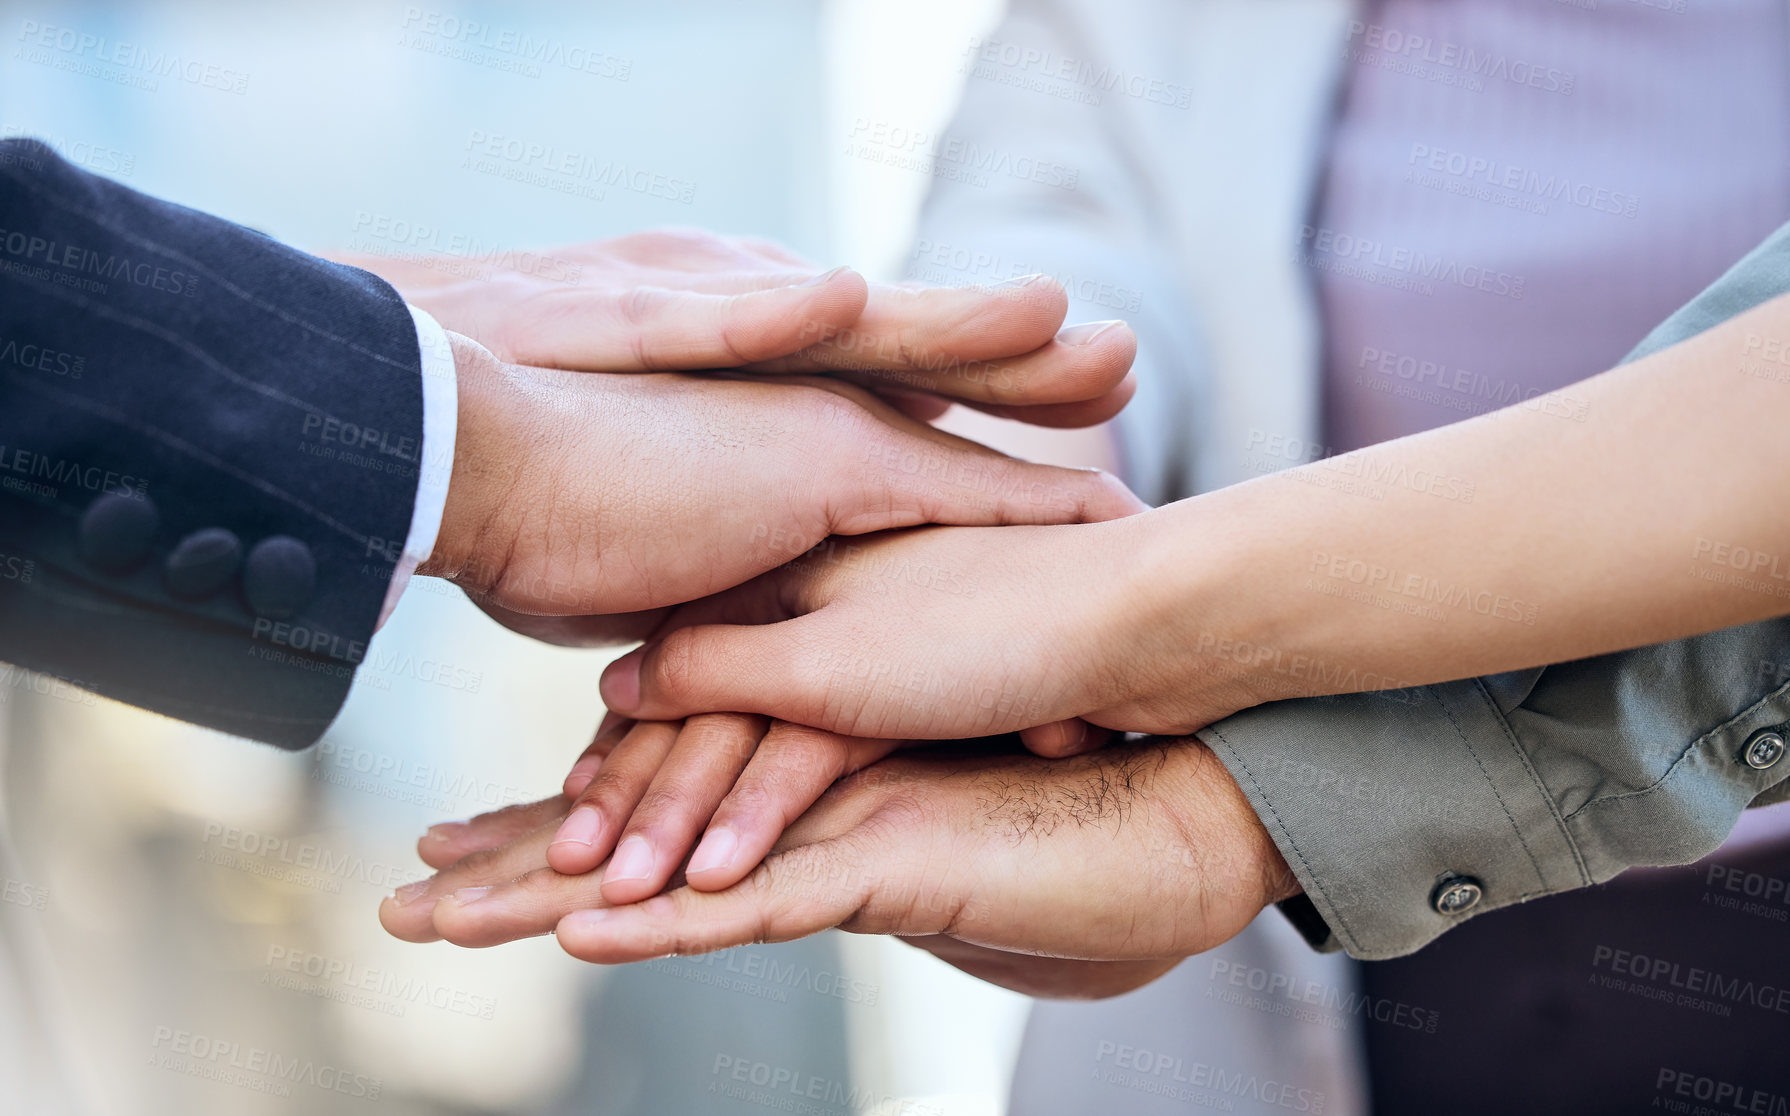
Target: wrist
(1189, 632)
(475, 498)
(1233, 864)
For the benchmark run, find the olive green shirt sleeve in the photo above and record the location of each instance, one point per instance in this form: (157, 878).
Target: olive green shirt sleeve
(1406, 812)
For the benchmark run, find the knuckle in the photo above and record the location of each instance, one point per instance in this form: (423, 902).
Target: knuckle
(675, 663)
(663, 803)
(610, 792)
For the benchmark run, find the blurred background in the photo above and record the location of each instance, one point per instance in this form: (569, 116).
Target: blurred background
(192, 919)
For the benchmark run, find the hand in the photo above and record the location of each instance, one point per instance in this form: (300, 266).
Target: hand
(685, 300)
(946, 633)
(653, 786)
(1141, 854)
(737, 780)
(579, 495)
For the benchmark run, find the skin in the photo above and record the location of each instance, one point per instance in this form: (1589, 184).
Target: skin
(1079, 877)
(685, 300)
(1289, 585)
(575, 495)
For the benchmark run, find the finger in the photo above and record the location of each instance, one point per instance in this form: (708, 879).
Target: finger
(609, 734)
(792, 895)
(589, 831)
(748, 668)
(526, 904)
(1067, 416)
(446, 843)
(1060, 739)
(921, 408)
(1083, 363)
(793, 766)
(408, 913)
(926, 332)
(903, 473)
(667, 329)
(697, 774)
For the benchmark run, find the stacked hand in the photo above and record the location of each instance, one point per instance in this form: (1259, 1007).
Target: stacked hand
(713, 514)
(1072, 877)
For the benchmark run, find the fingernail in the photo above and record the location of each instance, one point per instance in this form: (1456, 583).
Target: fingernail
(410, 892)
(716, 850)
(632, 861)
(581, 774)
(1086, 333)
(444, 831)
(581, 828)
(823, 280)
(620, 684)
(1020, 281)
(467, 896)
(584, 920)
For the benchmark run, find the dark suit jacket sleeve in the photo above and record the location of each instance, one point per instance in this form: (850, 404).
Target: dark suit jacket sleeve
(209, 453)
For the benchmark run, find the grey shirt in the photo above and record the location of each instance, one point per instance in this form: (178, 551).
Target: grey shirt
(1525, 783)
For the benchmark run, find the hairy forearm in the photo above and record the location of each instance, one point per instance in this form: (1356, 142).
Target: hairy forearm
(1641, 505)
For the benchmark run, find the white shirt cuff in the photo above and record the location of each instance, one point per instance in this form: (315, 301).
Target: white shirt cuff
(435, 464)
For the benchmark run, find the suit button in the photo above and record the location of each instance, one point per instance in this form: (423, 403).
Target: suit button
(1456, 895)
(1763, 750)
(279, 578)
(202, 563)
(116, 531)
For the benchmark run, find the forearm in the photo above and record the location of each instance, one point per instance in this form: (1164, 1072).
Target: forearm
(1632, 508)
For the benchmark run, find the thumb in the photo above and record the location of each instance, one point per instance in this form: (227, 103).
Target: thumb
(718, 668)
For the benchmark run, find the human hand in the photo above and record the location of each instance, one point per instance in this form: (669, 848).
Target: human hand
(586, 496)
(947, 633)
(686, 300)
(1141, 854)
(735, 779)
